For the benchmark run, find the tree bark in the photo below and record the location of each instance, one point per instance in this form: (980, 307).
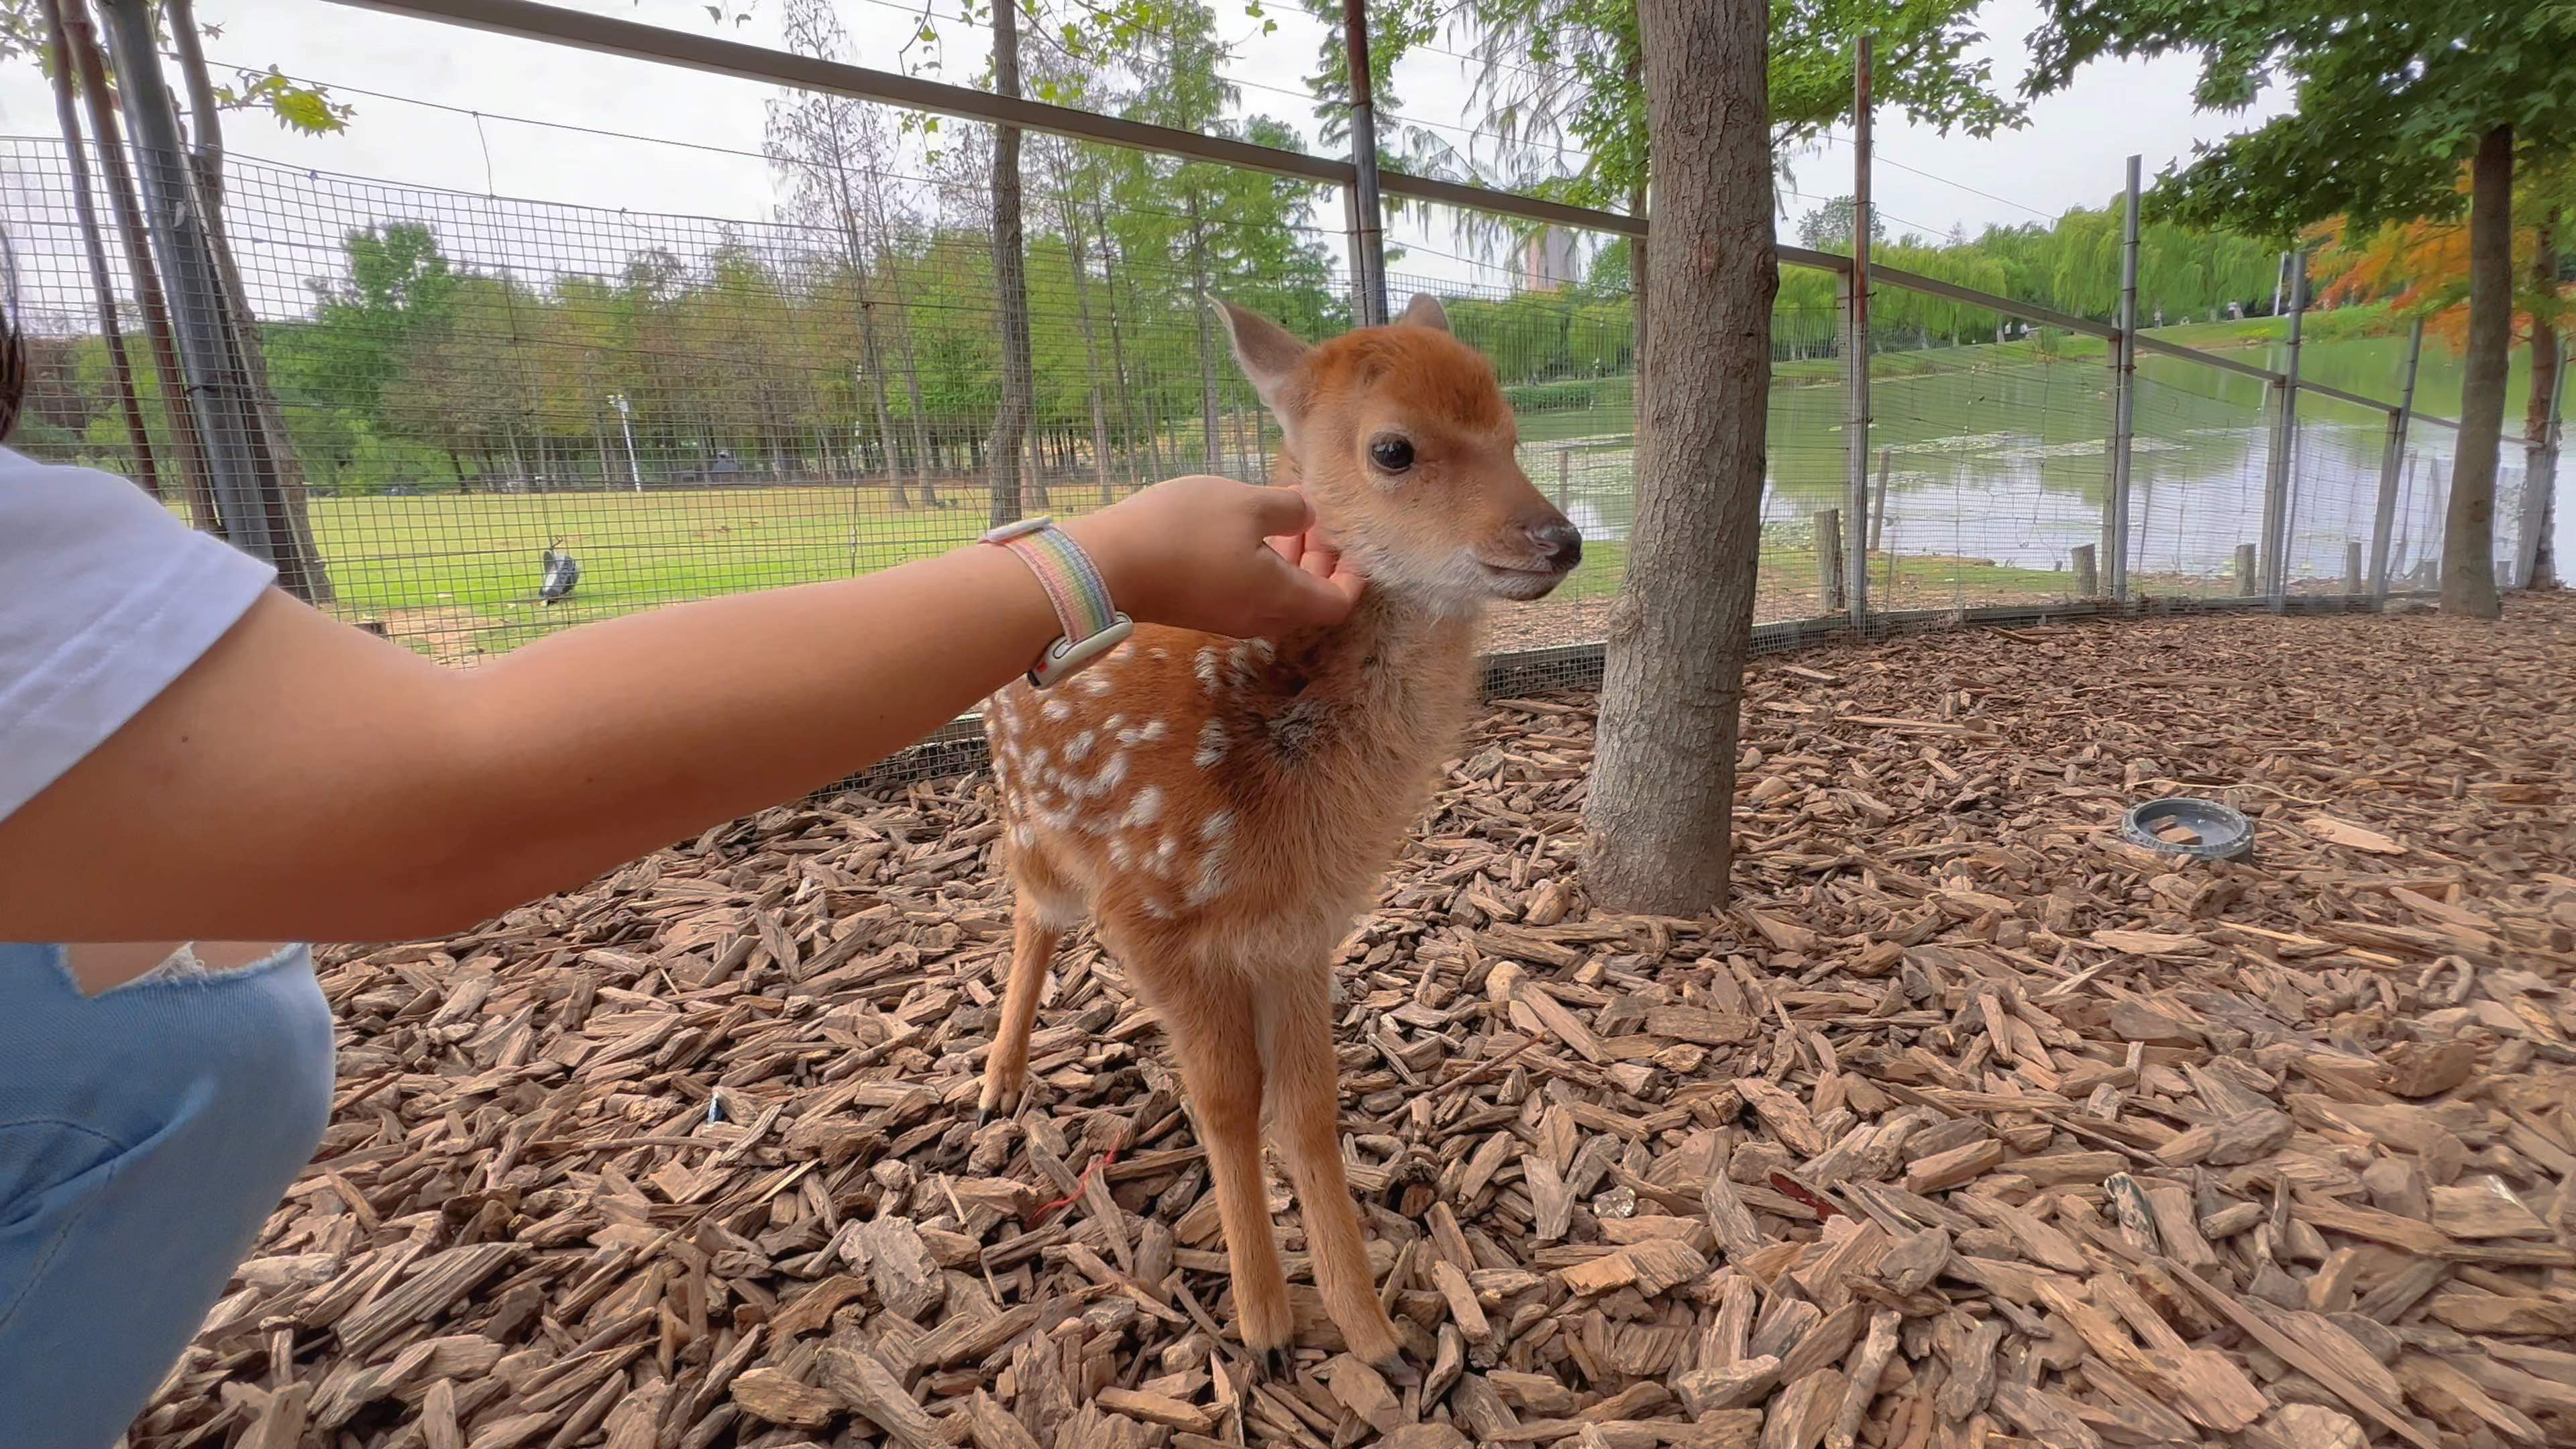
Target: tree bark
(2543, 462)
(194, 479)
(1075, 252)
(120, 367)
(1210, 448)
(1010, 277)
(300, 567)
(1663, 784)
(2468, 540)
(1109, 278)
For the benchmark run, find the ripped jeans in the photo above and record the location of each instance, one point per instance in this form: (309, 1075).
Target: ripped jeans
(145, 1135)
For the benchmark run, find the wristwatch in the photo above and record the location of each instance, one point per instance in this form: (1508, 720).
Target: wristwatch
(1092, 625)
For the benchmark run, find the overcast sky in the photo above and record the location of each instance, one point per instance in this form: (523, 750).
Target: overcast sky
(2070, 154)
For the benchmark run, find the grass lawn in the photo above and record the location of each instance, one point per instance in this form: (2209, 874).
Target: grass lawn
(455, 575)
(440, 565)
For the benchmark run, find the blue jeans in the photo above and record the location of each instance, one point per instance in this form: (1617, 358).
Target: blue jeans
(145, 1135)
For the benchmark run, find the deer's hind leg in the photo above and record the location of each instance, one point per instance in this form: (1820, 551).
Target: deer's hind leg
(1209, 1014)
(1294, 1017)
(1043, 908)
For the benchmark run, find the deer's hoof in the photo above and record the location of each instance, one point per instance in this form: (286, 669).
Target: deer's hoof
(1273, 1364)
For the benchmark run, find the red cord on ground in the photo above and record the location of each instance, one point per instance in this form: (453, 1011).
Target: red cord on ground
(1036, 1218)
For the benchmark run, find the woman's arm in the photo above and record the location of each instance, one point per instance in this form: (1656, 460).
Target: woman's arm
(306, 780)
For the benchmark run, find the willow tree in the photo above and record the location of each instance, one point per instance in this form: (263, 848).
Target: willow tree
(2391, 102)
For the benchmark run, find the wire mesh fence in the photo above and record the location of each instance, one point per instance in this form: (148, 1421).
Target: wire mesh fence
(475, 387)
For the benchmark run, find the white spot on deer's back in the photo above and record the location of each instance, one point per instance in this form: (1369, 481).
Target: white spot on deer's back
(1110, 774)
(1158, 653)
(1206, 667)
(1167, 855)
(1037, 761)
(1144, 734)
(1097, 683)
(1119, 855)
(1262, 649)
(1147, 805)
(1211, 745)
(1024, 835)
(1056, 709)
(1079, 746)
(1216, 825)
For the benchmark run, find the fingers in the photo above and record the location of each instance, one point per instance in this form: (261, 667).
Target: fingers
(1303, 598)
(1282, 512)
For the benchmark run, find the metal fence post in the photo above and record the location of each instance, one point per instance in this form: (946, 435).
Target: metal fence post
(2124, 400)
(2279, 487)
(1368, 234)
(2539, 480)
(2384, 522)
(1856, 366)
(187, 267)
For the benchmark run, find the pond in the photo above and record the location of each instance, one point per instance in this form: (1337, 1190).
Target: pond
(2001, 457)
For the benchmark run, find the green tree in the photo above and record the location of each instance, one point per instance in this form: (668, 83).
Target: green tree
(2392, 101)
(1829, 228)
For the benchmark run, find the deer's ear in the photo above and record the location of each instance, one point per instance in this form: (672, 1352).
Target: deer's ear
(1425, 311)
(1270, 356)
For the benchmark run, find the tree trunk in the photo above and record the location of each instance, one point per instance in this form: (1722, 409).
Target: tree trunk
(1118, 341)
(1010, 277)
(1656, 827)
(120, 367)
(924, 455)
(194, 479)
(1209, 448)
(2468, 541)
(1076, 252)
(2542, 466)
(300, 569)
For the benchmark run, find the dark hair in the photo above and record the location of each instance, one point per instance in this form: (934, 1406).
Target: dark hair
(13, 343)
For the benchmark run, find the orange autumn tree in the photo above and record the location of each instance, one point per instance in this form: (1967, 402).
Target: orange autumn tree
(2421, 269)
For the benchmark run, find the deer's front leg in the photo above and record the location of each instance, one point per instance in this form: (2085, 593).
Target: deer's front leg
(1006, 1068)
(1210, 1019)
(1295, 1008)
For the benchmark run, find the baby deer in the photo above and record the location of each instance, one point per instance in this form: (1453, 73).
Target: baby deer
(1225, 809)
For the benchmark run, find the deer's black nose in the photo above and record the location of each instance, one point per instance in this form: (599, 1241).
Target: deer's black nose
(1559, 545)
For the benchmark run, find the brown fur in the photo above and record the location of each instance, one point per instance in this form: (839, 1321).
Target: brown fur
(1224, 809)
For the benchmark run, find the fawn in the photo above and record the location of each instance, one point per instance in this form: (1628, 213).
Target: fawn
(1224, 809)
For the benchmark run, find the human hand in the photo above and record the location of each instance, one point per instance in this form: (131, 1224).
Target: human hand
(1203, 552)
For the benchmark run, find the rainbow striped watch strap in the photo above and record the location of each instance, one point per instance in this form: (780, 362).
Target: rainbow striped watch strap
(1073, 584)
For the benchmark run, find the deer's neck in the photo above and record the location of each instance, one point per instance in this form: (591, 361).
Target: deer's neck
(1384, 692)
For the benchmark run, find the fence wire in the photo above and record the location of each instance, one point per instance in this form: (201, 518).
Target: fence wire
(690, 406)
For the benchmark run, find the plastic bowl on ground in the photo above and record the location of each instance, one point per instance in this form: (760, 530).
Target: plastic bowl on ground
(2190, 827)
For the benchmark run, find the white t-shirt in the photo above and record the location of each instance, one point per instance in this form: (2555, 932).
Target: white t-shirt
(105, 598)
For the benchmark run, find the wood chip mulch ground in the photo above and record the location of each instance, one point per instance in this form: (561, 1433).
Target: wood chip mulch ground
(1966, 1125)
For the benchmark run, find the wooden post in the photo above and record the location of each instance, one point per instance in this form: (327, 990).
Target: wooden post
(2352, 568)
(1878, 505)
(2124, 391)
(1855, 548)
(2384, 516)
(2280, 493)
(2088, 582)
(2248, 582)
(1564, 475)
(1368, 237)
(1829, 559)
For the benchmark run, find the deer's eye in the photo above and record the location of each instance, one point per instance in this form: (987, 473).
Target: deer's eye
(1391, 455)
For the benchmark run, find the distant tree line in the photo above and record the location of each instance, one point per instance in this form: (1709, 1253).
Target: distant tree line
(856, 339)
